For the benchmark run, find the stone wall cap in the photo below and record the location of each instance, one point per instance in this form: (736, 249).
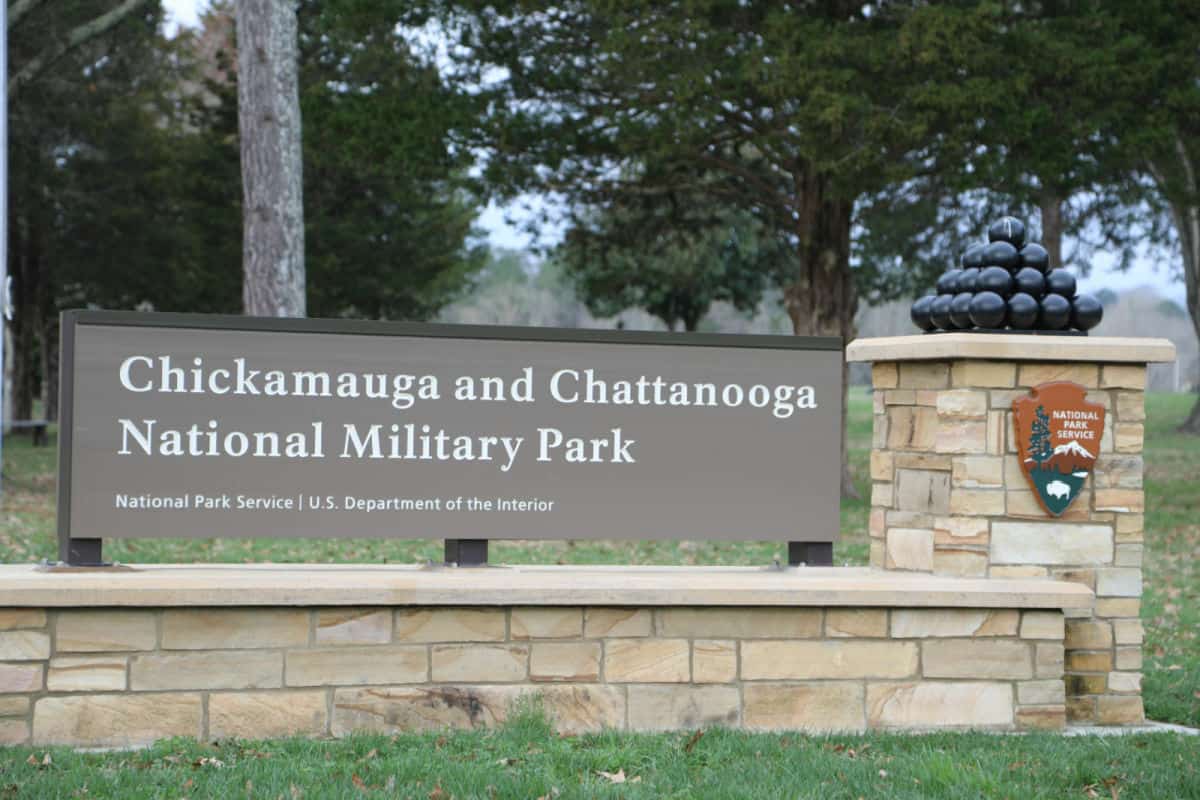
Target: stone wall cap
(157, 585)
(1011, 347)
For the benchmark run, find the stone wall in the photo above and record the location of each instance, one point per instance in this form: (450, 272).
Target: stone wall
(115, 677)
(948, 497)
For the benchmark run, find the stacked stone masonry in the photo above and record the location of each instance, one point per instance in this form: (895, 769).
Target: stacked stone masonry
(948, 497)
(120, 677)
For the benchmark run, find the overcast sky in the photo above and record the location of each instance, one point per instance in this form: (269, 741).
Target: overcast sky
(502, 234)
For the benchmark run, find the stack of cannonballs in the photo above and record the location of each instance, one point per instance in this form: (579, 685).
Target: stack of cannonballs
(1006, 284)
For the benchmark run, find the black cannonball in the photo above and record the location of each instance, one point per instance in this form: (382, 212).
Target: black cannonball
(1086, 312)
(960, 310)
(947, 282)
(1055, 313)
(1022, 311)
(939, 311)
(1060, 282)
(1030, 281)
(973, 256)
(1001, 254)
(1007, 229)
(920, 313)
(1034, 255)
(988, 310)
(968, 280)
(995, 279)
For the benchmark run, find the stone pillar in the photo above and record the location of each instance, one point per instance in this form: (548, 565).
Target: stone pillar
(948, 495)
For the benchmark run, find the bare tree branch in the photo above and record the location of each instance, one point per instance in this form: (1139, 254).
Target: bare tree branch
(76, 37)
(20, 9)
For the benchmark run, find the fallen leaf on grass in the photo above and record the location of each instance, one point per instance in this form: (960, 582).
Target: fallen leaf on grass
(692, 740)
(372, 754)
(439, 793)
(358, 782)
(207, 761)
(617, 777)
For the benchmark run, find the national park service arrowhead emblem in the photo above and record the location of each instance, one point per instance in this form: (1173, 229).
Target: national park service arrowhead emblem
(1058, 436)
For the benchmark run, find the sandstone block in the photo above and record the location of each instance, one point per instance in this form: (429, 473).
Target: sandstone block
(1118, 472)
(14, 706)
(1127, 437)
(943, 462)
(879, 432)
(233, 629)
(714, 661)
(878, 404)
(85, 631)
(923, 491)
(1081, 709)
(877, 523)
(1003, 398)
(647, 661)
(1042, 718)
(885, 375)
(87, 674)
(547, 623)
(115, 720)
(977, 502)
(1086, 577)
(1051, 543)
(221, 669)
(1042, 625)
(1123, 376)
(910, 549)
(876, 556)
(999, 440)
(1090, 660)
(899, 397)
(656, 708)
(1125, 681)
(924, 375)
(14, 618)
(491, 663)
(20, 678)
(1128, 631)
(823, 706)
(962, 436)
(1120, 500)
(24, 645)
(1128, 658)
(565, 661)
(1129, 555)
(976, 472)
(450, 625)
(1119, 710)
(882, 495)
(349, 665)
(911, 427)
(939, 705)
(960, 563)
(1131, 406)
(960, 530)
(844, 660)
(985, 374)
(927, 623)
(1041, 693)
(1089, 635)
(1119, 582)
(354, 626)
(1019, 571)
(740, 623)
(882, 464)
(14, 732)
(1130, 523)
(976, 658)
(969, 403)
(856, 623)
(580, 708)
(259, 715)
(1034, 374)
(617, 622)
(1048, 660)
(907, 519)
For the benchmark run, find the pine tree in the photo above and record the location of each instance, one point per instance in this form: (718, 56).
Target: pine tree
(1039, 440)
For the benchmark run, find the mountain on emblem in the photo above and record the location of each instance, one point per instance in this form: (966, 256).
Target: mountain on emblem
(1058, 436)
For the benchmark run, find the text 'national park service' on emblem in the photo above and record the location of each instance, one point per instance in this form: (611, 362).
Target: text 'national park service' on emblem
(1058, 437)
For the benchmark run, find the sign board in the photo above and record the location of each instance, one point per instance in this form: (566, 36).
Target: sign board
(1058, 434)
(203, 426)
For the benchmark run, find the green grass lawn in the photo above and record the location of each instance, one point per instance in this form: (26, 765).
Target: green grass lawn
(525, 760)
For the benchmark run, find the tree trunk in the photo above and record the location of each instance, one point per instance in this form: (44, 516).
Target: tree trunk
(269, 127)
(23, 264)
(822, 300)
(1052, 226)
(1177, 178)
(49, 344)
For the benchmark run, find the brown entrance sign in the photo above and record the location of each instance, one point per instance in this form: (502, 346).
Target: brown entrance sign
(199, 426)
(1058, 437)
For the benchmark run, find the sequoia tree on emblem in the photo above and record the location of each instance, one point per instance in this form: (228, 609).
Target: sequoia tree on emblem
(1058, 438)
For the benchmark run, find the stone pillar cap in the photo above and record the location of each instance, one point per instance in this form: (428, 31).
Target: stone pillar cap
(1011, 347)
